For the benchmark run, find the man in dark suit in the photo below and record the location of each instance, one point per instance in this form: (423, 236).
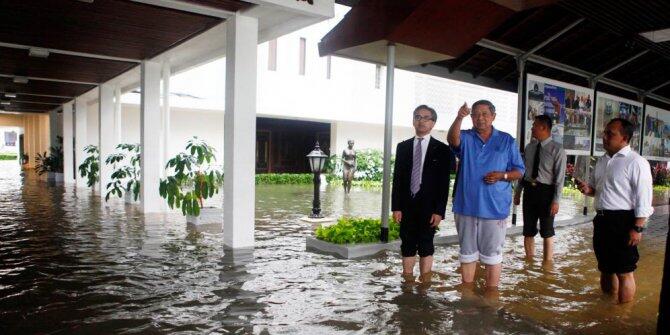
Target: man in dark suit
(420, 190)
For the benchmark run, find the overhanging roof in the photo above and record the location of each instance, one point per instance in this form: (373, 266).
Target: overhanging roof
(88, 43)
(603, 41)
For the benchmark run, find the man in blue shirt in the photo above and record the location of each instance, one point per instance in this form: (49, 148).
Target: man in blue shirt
(489, 162)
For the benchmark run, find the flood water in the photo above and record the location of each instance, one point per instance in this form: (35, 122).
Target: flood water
(71, 264)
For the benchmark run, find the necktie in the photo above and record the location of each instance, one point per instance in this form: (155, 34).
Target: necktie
(415, 182)
(536, 161)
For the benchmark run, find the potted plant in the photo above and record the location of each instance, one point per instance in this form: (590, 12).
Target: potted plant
(90, 168)
(192, 181)
(124, 173)
(51, 164)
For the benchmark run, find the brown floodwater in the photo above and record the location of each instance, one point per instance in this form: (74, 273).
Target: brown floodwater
(71, 264)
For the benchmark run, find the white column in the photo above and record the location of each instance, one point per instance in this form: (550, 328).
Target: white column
(68, 138)
(117, 114)
(106, 133)
(150, 131)
(388, 138)
(240, 132)
(28, 139)
(165, 147)
(81, 137)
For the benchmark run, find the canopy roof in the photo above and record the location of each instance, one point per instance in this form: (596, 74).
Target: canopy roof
(570, 40)
(88, 42)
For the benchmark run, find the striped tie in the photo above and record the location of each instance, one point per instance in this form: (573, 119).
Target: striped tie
(415, 182)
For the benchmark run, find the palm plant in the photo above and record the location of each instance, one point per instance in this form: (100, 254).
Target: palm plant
(53, 162)
(90, 168)
(193, 180)
(130, 174)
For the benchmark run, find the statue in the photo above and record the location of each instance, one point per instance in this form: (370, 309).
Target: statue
(348, 166)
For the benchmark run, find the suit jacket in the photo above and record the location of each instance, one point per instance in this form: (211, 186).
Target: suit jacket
(437, 167)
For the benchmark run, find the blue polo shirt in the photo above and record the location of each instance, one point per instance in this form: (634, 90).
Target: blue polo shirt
(473, 196)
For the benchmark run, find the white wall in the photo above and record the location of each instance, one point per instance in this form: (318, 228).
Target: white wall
(185, 123)
(370, 136)
(92, 123)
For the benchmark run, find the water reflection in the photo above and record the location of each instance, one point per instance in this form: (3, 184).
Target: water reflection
(71, 264)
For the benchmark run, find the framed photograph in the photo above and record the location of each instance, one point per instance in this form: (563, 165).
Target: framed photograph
(569, 106)
(609, 107)
(656, 138)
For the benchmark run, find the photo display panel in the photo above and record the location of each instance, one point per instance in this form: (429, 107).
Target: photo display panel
(656, 139)
(569, 106)
(609, 107)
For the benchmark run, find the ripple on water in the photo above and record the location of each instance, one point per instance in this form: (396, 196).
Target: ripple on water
(71, 263)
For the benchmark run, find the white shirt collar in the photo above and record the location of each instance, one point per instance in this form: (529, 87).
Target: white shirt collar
(623, 151)
(427, 137)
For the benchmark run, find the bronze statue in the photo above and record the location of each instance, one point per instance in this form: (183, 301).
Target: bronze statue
(348, 166)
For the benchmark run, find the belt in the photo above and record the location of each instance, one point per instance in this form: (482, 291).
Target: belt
(536, 184)
(605, 212)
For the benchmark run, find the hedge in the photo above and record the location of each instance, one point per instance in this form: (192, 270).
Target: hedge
(8, 157)
(356, 230)
(284, 178)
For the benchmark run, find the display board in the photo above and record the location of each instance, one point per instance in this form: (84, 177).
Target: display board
(656, 139)
(609, 107)
(569, 106)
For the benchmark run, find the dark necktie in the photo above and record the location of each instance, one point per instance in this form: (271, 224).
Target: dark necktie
(536, 161)
(415, 181)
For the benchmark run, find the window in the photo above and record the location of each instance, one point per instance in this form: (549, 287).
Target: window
(378, 75)
(303, 50)
(272, 55)
(327, 67)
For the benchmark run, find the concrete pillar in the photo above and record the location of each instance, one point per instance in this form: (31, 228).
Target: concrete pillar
(165, 147)
(117, 114)
(53, 128)
(106, 133)
(240, 132)
(81, 137)
(150, 140)
(388, 138)
(28, 139)
(68, 144)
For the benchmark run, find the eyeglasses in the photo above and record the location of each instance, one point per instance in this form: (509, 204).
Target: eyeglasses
(478, 115)
(422, 118)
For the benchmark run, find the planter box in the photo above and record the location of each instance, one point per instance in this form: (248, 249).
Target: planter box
(208, 215)
(350, 250)
(128, 198)
(55, 177)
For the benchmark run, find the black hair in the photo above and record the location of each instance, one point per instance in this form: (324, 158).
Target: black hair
(545, 119)
(626, 126)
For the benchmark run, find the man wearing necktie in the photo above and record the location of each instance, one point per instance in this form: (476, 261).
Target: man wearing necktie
(542, 184)
(420, 189)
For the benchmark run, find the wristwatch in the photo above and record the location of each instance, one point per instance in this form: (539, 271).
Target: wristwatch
(639, 229)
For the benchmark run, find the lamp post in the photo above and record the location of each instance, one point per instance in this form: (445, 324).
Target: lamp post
(317, 160)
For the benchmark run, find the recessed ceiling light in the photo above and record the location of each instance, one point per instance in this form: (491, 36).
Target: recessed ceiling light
(86, 1)
(38, 52)
(20, 80)
(5, 102)
(10, 95)
(657, 36)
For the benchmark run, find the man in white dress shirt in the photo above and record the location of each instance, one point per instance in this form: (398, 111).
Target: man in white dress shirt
(622, 186)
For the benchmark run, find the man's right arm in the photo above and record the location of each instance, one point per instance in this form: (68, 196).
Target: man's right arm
(454, 135)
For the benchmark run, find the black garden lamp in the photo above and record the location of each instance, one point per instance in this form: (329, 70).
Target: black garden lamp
(317, 159)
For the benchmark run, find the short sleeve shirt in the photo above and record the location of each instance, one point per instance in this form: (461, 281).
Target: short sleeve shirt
(473, 196)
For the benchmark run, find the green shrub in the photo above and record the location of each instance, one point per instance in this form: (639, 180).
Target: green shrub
(284, 178)
(8, 157)
(369, 165)
(356, 230)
